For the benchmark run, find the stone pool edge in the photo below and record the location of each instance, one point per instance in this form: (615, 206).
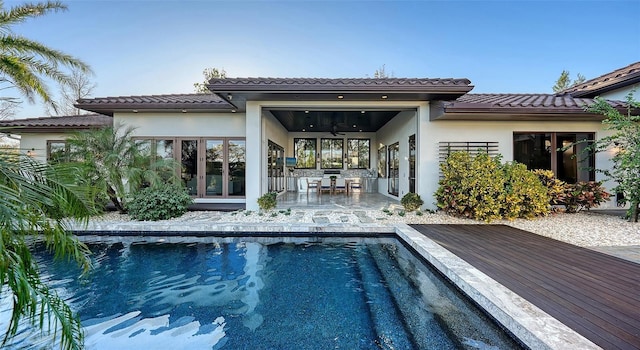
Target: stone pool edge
(532, 326)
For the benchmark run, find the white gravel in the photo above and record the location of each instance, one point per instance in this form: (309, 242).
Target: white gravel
(583, 229)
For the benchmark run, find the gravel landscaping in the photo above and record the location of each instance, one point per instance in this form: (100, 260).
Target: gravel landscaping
(584, 229)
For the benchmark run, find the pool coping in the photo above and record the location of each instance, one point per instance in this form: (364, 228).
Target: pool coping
(529, 324)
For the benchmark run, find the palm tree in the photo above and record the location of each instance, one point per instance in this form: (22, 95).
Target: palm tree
(33, 203)
(24, 63)
(114, 163)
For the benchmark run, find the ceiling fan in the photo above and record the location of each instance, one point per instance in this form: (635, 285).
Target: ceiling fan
(335, 124)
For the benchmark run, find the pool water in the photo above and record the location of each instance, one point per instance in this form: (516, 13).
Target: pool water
(251, 295)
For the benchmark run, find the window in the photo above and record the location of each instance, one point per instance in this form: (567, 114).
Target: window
(331, 153)
(305, 153)
(547, 151)
(57, 151)
(358, 154)
(382, 161)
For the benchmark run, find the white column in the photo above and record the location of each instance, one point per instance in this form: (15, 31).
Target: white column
(254, 155)
(426, 159)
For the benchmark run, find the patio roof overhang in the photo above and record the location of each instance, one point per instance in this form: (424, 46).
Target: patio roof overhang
(237, 91)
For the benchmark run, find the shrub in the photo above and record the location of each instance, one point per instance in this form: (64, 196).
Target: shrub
(267, 201)
(481, 188)
(160, 202)
(556, 189)
(525, 195)
(411, 201)
(584, 195)
(471, 186)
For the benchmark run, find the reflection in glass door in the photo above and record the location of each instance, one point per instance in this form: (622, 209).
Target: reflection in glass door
(236, 167)
(412, 163)
(213, 167)
(189, 161)
(394, 173)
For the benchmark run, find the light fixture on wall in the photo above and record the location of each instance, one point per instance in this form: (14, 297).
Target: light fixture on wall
(384, 97)
(233, 111)
(229, 97)
(184, 111)
(340, 97)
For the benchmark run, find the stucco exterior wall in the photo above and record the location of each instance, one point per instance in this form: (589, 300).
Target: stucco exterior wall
(37, 143)
(183, 124)
(398, 130)
(497, 131)
(621, 94)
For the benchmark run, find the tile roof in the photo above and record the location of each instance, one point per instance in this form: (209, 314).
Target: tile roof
(330, 84)
(521, 104)
(610, 81)
(86, 121)
(106, 105)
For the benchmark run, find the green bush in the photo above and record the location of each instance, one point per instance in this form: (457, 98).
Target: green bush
(556, 189)
(482, 188)
(411, 201)
(161, 202)
(525, 195)
(267, 201)
(471, 186)
(584, 195)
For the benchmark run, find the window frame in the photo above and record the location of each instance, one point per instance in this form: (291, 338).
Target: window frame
(350, 156)
(332, 152)
(314, 152)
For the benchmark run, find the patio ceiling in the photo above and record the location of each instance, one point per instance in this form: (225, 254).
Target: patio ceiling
(333, 121)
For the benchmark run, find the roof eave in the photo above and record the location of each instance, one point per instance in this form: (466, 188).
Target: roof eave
(628, 80)
(516, 115)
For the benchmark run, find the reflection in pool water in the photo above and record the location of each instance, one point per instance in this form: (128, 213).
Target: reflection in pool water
(249, 295)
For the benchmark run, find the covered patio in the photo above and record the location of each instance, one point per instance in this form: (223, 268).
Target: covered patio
(338, 201)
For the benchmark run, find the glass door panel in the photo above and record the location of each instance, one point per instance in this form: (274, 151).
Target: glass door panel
(237, 161)
(394, 173)
(412, 163)
(214, 165)
(189, 161)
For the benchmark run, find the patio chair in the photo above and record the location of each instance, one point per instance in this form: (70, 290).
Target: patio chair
(312, 184)
(325, 185)
(341, 185)
(355, 184)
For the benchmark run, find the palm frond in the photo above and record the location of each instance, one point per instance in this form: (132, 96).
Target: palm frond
(21, 13)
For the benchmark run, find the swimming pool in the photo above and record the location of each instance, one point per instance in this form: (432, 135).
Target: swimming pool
(240, 294)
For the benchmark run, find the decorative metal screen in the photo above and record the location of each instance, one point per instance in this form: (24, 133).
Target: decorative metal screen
(446, 148)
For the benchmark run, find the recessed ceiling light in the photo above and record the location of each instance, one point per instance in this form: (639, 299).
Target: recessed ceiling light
(304, 129)
(384, 97)
(340, 97)
(362, 112)
(360, 130)
(135, 111)
(307, 112)
(233, 111)
(354, 125)
(184, 111)
(311, 125)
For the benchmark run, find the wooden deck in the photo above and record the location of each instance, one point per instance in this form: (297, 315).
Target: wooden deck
(595, 294)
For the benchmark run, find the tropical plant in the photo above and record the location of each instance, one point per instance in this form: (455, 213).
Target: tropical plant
(267, 201)
(482, 188)
(29, 192)
(112, 161)
(584, 195)
(556, 188)
(25, 63)
(411, 201)
(161, 202)
(624, 144)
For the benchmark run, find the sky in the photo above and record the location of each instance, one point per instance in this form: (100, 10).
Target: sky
(161, 47)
